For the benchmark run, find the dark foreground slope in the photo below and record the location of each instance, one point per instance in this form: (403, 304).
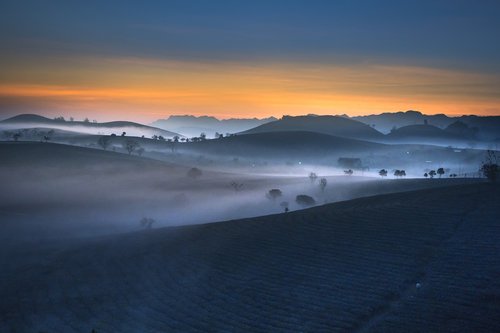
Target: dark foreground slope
(350, 266)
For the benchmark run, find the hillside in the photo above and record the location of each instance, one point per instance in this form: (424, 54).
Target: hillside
(369, 264)
(481, 127)
(331, 125)
(281, 144)
(423, 134)
(33, 120)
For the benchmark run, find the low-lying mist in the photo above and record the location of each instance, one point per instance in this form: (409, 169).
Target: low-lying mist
(63, 191)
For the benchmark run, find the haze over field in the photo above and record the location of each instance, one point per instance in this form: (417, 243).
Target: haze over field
(230, 166)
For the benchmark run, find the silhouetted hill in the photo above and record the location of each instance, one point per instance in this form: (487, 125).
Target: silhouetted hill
(483, 127)
(331, 125)
(33, 120)
(193, 126)
(281, 144)
(422, 261)
(424, 132)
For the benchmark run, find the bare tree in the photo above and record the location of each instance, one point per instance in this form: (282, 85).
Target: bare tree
(104, 142)
(130, 146)
(312, 177)
(322, 184)
(236, 186)
(489, 168)
(147, 222)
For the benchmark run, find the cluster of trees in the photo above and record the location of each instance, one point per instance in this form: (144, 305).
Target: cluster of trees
(431, 174)
(348, 172)
(399, 173)
(301, 199)
(322, 182)
(489, 167)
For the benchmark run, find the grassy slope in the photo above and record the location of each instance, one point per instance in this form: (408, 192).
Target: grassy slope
(349, 266)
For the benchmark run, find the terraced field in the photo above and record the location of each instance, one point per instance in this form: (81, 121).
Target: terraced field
(416, 261)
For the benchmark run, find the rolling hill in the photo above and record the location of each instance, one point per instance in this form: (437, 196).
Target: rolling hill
(280, 144)
(423, 134)
(422, 261)
(331, 125)
(33, 120)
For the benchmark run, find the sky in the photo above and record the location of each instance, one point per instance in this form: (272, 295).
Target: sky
(145, 60)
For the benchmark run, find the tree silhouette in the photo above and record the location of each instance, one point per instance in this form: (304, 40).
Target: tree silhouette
(236, 186)
(432, 173)
(130, 146)
(284, 205)
(440, 172)
(426, 175)
(274, 194)
(348, 172)
(312, 177)
(322, 184)
(489, 168)
(383, 173)
(104, 142)
(147, 222)
(16, 136)
(305, 200)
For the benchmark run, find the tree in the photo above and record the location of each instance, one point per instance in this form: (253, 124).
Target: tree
(432, 173)
(203, 136)
(440, 172)
(305, 200)
(194, 173)
(322, 184)
(426, 175)
(147, 222)
(489, 168)
(130, 146)
(86, 120)
(104, 142)
(274, 194)
(383, 173)
(284, 205)
(140, 151)
(124, 133)
(312, 177)
(348, 172)
(16, 136)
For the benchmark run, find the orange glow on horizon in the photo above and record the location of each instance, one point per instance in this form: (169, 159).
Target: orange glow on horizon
(146, 90)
